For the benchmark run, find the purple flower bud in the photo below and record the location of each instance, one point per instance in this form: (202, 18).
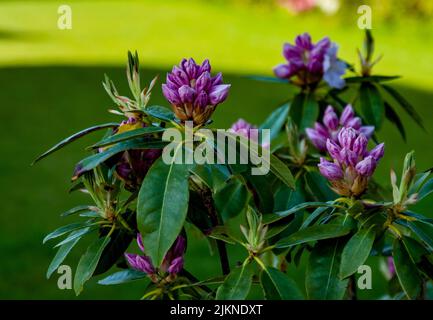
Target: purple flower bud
(205, 67)
(140, 242)
(170, 94)
(317, 139)
(304, 41)
(349, 157)
(391, 267)
(203, 82)
(202, 100)
(329, 170)
(176, 266)
(243, 128)
(360, 145)
(354, 123)
(367, 131)
(180, 76)
(282, 71)
(186, 94)
(218, 79)
(330, 119)
(179, 246)
(378, 151)
(333, 150)
(366, 167)
(346, 137)
(218, 93)
(346, 115)
(191, 68)
(141, 263)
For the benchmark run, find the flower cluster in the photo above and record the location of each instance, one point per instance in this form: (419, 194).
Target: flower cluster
(309, 63)
(352, 164)
(172, 263)
(332, 125)
(192, 92)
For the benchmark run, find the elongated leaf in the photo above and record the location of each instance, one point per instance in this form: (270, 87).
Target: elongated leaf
(74, 137)
(375, 78)
(269, 79)
(314, 233)
(237, 284)
(61, 255)
(77, 210)
(406, 270)
(322, 275)
(123, 276)
(356, 251)
(161, 113)
(65, 229)
(269, 218)
(162, 206)
(231, 200)
(410, 110)
(423, 231)
(127, 135)
(77, 234)
(304, 110)
(371, 104)
(392, 116)
(281, 171)
(278, 286)
(93, 161)
(425, 190)
(276, 120)
(318, 187)
(88, 262)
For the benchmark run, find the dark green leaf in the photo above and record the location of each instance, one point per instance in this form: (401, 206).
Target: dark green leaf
(77, 210)
(406, 270)
(304, 110)
(162, 206)
(276, 120)
(371, 104)
(425, 190)
(268, 218)
(322, 275)
(423, 231)
(127, 135)
(161, 113)
(269, 79)
(278, 286)
(123, 276)
(237, 284)
(231, 199)
(74, 137)
(61, 255)
(392, 116)
(356, 251)
(410, 110)
(65, 229)
(375, 78)
(314, 233)
(88, 262)
(77, 234)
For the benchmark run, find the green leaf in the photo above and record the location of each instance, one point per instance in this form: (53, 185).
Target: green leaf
(304, 110)
(375, 78)
(127, 135)
(371, 104)
(322, 276)
(88, 262)
(77, 210)
(77, 234)
(93, 161)
(65, 229)
(423, 231)
(231, 199)
(162, 206)
(392, 116)
(269, 218)
(425, 190)
(61, 255)
(276, 120)
(278, 286)
(410, 110)
(356, 251)
(123, 276)
(74, 137)
(314, 233)
(269, 79)
(161, 113)
(406, 270)
(281, 171)
(318, 187)
(237, 284)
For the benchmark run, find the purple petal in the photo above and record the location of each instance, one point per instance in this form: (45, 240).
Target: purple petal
(367, 131)
(218, 93)
(330, 119)
(176, 265)
(354, 123)
(171, 95)
(347, 115)
(202, 100)
(378, 151)
(181, 76)
(366, 167)
(317, 139)
(330, 170)
(346, 137)
(218, 79)
(205, 67)
(304, 41)
(333, 150)
(186, 94)
(203, 82)
(360, 145)
(140, 242)
(282, 71)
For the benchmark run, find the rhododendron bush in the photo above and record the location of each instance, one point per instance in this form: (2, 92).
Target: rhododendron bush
(319, 200)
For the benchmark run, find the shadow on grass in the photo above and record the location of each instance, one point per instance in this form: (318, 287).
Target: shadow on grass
(41, 105)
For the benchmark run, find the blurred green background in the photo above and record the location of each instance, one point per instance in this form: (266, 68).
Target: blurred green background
(50, 87)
